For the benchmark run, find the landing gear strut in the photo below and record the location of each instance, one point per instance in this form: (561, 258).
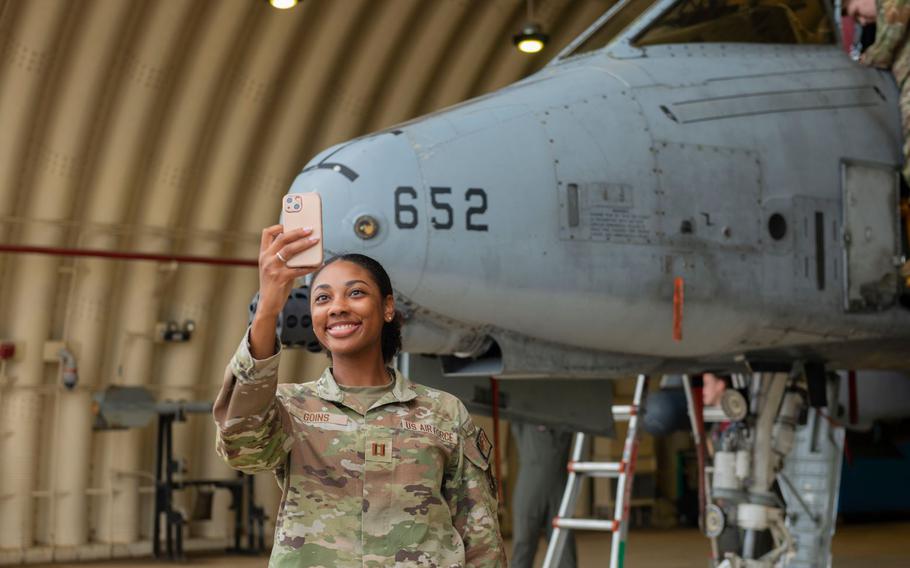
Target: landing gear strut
(770, 491)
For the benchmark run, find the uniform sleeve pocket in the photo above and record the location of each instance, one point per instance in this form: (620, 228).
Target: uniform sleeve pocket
(478, 450)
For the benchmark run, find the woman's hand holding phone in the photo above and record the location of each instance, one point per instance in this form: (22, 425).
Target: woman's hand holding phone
(276, 280)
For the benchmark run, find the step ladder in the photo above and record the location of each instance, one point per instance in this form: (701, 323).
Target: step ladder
(623, 471)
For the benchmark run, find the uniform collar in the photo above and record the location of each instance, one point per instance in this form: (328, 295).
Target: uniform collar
(328, 389)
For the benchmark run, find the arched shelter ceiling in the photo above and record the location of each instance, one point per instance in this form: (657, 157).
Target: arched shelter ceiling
(173, 126)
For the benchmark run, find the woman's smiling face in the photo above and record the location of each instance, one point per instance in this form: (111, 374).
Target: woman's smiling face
(348, 309)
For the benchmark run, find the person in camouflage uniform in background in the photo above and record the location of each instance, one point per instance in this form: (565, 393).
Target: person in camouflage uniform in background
(891, 50)
(543, 454)
(372, 474)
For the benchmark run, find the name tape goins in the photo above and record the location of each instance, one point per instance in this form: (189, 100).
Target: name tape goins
(324, 418)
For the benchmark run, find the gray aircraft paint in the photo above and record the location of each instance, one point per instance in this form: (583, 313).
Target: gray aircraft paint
(565, 205)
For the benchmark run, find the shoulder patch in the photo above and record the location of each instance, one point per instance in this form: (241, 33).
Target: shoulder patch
(484, 446)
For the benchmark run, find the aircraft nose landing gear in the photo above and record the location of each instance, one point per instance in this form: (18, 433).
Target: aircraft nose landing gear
(771, 490)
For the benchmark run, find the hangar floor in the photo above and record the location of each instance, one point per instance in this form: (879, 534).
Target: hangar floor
(855, 546)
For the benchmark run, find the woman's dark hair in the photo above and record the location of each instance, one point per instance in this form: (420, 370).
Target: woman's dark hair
(391, 331)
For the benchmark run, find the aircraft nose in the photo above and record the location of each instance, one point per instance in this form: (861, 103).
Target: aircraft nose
(369, 191)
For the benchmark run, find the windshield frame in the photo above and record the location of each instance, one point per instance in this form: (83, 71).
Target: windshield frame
(623, 38)
(622, 47)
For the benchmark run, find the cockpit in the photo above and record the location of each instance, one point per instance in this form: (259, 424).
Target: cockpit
(644, 23)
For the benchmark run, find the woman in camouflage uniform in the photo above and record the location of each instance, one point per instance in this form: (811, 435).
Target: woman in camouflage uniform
(376, 470)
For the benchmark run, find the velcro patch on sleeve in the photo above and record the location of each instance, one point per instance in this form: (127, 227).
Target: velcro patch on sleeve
(484, 446)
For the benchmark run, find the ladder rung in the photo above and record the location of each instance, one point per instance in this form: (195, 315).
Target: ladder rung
(624, 412)
(583, 524)
(598, 469)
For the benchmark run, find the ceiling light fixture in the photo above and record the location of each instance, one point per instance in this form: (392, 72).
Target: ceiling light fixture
(283, 4)
(531, 39)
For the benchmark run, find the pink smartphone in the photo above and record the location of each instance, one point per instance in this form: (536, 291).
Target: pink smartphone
(304, 210)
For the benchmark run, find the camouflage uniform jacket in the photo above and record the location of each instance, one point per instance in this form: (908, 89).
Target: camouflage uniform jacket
(891, 49)
(406, 483)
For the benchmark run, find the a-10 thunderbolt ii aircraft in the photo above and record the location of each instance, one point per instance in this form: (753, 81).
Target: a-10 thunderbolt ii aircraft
(690, 185)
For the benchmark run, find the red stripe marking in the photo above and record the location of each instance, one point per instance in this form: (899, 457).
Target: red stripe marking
(678, 299)
(118, 255)
(494, 386)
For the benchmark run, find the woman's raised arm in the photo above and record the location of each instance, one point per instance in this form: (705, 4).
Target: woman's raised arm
(253, 428)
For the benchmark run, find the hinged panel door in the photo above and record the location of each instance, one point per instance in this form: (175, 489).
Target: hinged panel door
(871, 235)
